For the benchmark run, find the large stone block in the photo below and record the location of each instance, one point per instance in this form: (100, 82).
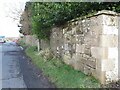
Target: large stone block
(110, 20)
(110, 30)
(108, 64)
(91, 63)
(95, 52)
(113, 53)
(104, 53)
(109, 41)
(99, 52)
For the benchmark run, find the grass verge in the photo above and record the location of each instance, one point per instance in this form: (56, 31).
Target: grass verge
(22, 43)
(62, 75)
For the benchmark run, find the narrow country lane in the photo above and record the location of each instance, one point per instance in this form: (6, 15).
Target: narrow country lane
(11, 73)
(18, 71)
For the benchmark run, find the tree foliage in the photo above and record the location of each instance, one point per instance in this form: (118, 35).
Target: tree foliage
(43, 15)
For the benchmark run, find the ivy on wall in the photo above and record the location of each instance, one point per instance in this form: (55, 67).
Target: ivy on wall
(43, 15)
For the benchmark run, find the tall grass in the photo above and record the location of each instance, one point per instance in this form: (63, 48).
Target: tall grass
(62, 75)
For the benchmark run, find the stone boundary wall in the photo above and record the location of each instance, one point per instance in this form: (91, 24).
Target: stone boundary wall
(90, 45)
(30, 40)
(33, 41)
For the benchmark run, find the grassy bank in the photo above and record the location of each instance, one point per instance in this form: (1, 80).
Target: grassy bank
(22, 43)
(61, 74)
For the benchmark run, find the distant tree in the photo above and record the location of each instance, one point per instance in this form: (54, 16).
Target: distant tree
(14, 10)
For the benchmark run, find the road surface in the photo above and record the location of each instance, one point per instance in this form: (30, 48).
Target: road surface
(17, 70)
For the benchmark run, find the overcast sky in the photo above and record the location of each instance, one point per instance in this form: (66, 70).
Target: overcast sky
(8, 10)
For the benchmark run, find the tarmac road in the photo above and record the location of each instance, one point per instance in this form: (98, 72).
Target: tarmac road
(17, 70)
(11, 73)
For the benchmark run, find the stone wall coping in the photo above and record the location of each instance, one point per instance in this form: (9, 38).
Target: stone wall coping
(102, 12)
(107, 12)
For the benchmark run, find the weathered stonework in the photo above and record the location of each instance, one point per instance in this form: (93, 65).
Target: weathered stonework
(90, 45)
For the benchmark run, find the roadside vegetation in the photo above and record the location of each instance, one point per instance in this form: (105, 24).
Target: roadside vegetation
(62, 75)
(42, 16)
(21, 42)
